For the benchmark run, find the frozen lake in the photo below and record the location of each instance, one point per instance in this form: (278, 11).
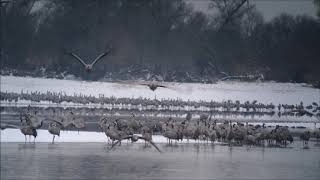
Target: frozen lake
(134, 161)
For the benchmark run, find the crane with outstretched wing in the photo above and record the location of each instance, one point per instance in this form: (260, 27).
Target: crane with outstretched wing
(89, 67)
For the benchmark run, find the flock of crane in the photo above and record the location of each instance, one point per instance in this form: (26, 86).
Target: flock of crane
(200, 129)
(30, 123)
(223, 108)
(204, 129)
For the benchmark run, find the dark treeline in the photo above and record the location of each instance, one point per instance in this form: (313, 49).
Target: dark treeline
(165, 39)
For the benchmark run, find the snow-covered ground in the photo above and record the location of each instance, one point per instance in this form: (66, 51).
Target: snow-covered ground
(265, 92)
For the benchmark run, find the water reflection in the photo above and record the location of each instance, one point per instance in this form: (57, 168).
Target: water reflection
(27, 146)
(135, 161)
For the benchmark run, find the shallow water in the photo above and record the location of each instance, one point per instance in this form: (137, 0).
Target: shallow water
(134, 161)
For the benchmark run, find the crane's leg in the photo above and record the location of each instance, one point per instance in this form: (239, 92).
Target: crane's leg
(25, 139)
(53, 139)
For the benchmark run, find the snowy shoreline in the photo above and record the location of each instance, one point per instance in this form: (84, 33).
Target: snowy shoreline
(264, 92)
(14, 135)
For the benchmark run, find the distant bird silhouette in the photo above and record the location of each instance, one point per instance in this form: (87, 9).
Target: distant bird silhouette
(88, 67)
(135, 138)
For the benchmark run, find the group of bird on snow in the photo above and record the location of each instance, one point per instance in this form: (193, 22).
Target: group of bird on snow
(227, 107)
(204, 129)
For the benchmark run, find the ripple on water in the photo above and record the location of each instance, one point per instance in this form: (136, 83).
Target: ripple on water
(134, 161)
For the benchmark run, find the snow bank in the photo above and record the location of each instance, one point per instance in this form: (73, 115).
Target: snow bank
(265, 92)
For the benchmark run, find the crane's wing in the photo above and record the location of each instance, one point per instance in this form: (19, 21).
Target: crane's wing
(76, 57)
(113, 145)
(152, 143)
(53, 120)
(128, 82)
(162, 86)
(100, 57)
(64, 122)
(167, 87)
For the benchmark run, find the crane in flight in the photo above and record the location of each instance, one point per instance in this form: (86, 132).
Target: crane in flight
(153, 85)
(89, 67)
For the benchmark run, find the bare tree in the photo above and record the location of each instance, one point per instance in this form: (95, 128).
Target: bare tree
(226, 12)
(229, 11)
(317, 3)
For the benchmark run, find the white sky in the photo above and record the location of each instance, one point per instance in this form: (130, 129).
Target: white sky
(270, 8)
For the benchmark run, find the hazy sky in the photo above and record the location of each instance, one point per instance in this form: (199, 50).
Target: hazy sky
(270, 8)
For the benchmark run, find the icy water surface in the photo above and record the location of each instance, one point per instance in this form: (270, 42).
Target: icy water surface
(134, 161)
